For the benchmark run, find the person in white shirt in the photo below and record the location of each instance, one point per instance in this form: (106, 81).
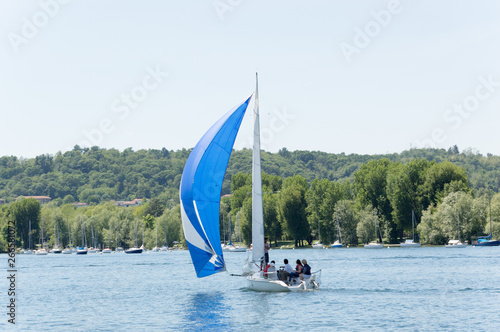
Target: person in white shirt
(288, 269)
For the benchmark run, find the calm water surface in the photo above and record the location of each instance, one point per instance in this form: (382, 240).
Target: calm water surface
(418, 289)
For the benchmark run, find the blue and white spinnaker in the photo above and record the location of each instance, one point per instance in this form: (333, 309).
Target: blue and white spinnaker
(200, 190)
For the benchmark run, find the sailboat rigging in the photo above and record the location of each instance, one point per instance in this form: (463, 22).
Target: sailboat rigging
(456, 243)
(318, 245)
(487, 241)
(337, 243)
(375, 244)
(411, 243)
(134, 250)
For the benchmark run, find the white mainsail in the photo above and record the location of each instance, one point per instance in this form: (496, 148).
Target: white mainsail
(257, 209)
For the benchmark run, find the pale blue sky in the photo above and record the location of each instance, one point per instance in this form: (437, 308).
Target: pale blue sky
(408, 67)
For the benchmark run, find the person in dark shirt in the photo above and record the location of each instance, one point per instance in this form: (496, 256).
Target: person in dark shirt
(306, 271)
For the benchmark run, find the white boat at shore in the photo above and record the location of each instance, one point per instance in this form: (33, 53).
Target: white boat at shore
(41, 252)
(456, 243)
(410, 243)
(375, 244)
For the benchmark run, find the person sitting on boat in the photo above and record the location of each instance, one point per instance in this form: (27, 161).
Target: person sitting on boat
(288, 269)
(270, 271)
(298, 270)
(306, 272)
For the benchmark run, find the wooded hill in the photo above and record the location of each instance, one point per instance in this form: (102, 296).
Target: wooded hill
(92, 175)
(304, 194)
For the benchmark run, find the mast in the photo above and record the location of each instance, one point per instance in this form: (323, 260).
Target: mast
(257, 208)
(458, 223)
(69, 233)
(223, 228)
(319, 234)
(29, 237)
(338, 227)
(42, 232)
(136, 232)
(58, 244)
(166, 242)
(413, 224)
(230, 232)
(489, 205)
(375, 219)
(83, 241)
(239, 227)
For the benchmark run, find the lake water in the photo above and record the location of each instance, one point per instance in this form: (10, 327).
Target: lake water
(420, 289)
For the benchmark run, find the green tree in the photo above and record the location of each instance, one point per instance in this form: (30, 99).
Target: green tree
(404, 190)
(154, 208)
(23, 212)
(348, 220)
(437, 177)
(293, 209)
(365, 229)
(370, 183)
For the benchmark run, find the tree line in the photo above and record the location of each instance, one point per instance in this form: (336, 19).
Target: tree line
(94, 175)
(381, 191)
(304, 196)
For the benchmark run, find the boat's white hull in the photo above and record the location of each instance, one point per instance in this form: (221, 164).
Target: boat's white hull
(374, 246)
(455, 244)
(463, 245)
(258, 283)
(238, 249)
(317, 246)
(67, 251)
(409, 245)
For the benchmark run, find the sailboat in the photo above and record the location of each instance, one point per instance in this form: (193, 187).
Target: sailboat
(56, 249)
(375, 244)
(29, 251)
(456, 243)
(42, 250)
(156, 249)
(226, 247)
(83, 249)
(487, 241)
(68, 250)
(337, 243)
(411, 243)
(318, 245)
(165, 246)
(238, 247)
(200, 191)
(134, 250)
